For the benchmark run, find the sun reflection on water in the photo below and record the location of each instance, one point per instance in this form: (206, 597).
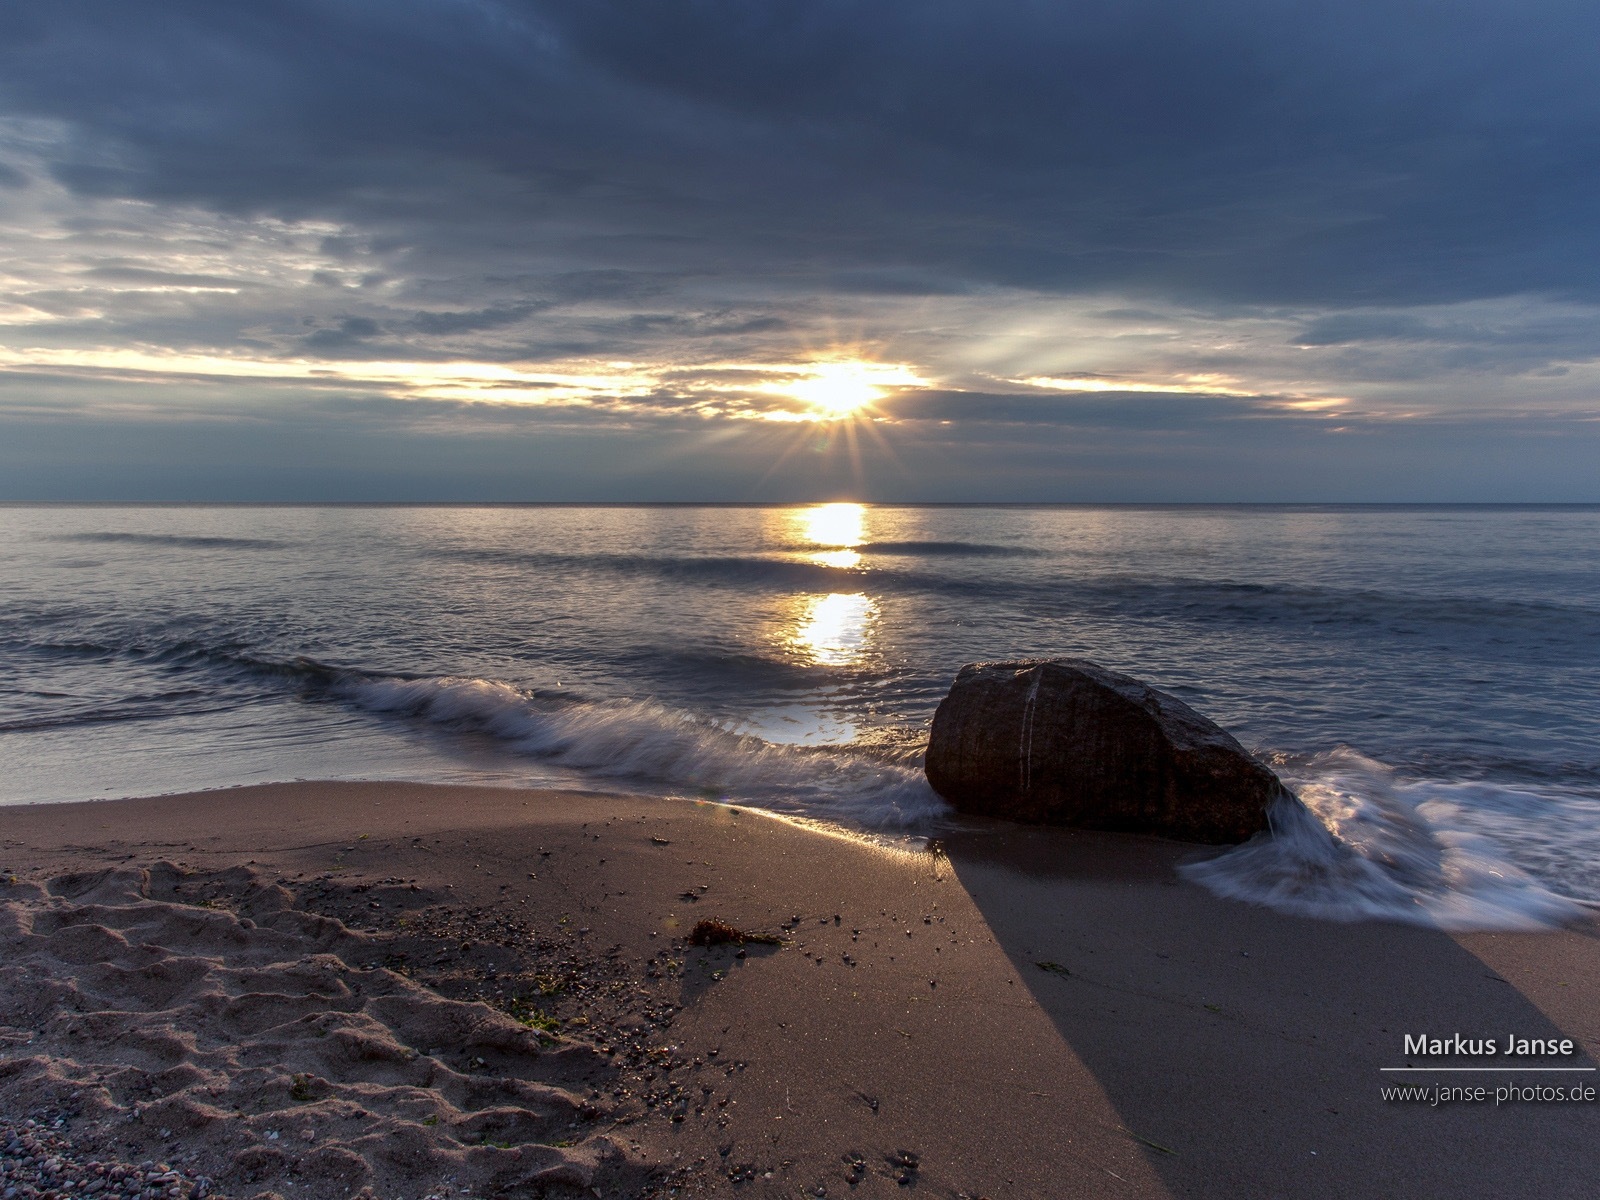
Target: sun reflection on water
(833, 629)
(833, 524)
(841, 526)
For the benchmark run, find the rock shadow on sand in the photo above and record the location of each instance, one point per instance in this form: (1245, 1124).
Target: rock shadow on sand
(1244, 1049)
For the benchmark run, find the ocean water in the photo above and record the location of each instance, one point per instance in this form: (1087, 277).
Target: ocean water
(1426, 679)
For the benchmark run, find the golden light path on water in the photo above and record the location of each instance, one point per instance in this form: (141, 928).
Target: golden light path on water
(833, 629)
(841, 527)
(818, 629)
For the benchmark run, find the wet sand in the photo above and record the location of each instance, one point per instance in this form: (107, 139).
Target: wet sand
(429, 991)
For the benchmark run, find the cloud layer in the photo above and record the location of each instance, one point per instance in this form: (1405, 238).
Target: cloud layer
(1357, 232)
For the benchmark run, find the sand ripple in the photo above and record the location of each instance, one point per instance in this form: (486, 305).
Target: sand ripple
(259, 1042)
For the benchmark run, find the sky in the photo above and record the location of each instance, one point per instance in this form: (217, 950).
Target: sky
(746, 250)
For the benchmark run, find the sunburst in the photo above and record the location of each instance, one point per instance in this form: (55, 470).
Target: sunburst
(841, 389)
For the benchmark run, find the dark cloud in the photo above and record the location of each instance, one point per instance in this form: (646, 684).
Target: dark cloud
(475, 320)
(1390, 202)
(609, 285)
(350, 331)
(1342, 328)
(353, 447)
(1098, 410)
(1395, 344)
(1239, 151)
(694, 325)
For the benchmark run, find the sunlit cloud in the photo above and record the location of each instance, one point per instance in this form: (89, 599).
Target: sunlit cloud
(1194, 385)
(1197, 385)
(828, 391)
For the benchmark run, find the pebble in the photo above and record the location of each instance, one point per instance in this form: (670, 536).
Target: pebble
(37, 1159)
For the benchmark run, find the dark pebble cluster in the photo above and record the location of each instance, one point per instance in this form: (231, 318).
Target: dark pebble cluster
(38, 1161)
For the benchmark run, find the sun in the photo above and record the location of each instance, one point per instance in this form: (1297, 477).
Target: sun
(837, 389)
(840, 389)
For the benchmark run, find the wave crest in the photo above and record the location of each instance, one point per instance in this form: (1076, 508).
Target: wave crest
(654, 746)
(1360, 844)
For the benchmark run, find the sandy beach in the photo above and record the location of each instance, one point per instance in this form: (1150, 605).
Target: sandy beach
(329, 989)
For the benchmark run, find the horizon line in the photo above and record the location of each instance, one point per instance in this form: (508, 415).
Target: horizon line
(1367, 504)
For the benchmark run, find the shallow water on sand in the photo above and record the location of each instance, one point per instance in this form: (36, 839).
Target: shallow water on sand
(1427, 678)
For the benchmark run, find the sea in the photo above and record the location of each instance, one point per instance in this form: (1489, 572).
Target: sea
(1425, 679)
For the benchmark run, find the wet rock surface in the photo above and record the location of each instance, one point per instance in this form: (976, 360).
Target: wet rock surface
(1068, 742)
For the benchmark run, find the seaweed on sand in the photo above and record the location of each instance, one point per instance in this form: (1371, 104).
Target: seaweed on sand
(715, 932)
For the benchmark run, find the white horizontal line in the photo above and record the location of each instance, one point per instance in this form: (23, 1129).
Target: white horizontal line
(1486, 1068)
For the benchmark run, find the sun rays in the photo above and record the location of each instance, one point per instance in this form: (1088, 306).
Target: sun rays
(835, 389)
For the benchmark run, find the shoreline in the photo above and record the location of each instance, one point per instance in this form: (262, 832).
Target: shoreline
(1026, 1012)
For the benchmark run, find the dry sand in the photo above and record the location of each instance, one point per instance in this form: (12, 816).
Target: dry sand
(315, 989)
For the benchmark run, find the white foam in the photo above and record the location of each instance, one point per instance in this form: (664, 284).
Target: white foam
(1360, 844)
(654, 746)
(1363, 844)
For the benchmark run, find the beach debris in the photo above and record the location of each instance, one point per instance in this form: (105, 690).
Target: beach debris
(855, 1169)
(716, 932)
(39, 1158)
(904, 1164)
(1067, 742)
(660, 841)
(1054, 968)
(1139, 1137)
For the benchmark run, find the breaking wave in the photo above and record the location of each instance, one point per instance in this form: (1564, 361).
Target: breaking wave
(1364, 844)
(650, 745)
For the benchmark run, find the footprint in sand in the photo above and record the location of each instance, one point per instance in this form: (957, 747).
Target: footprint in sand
(247, 1033)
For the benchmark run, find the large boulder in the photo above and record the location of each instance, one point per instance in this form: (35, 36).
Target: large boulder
(1063, 741)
